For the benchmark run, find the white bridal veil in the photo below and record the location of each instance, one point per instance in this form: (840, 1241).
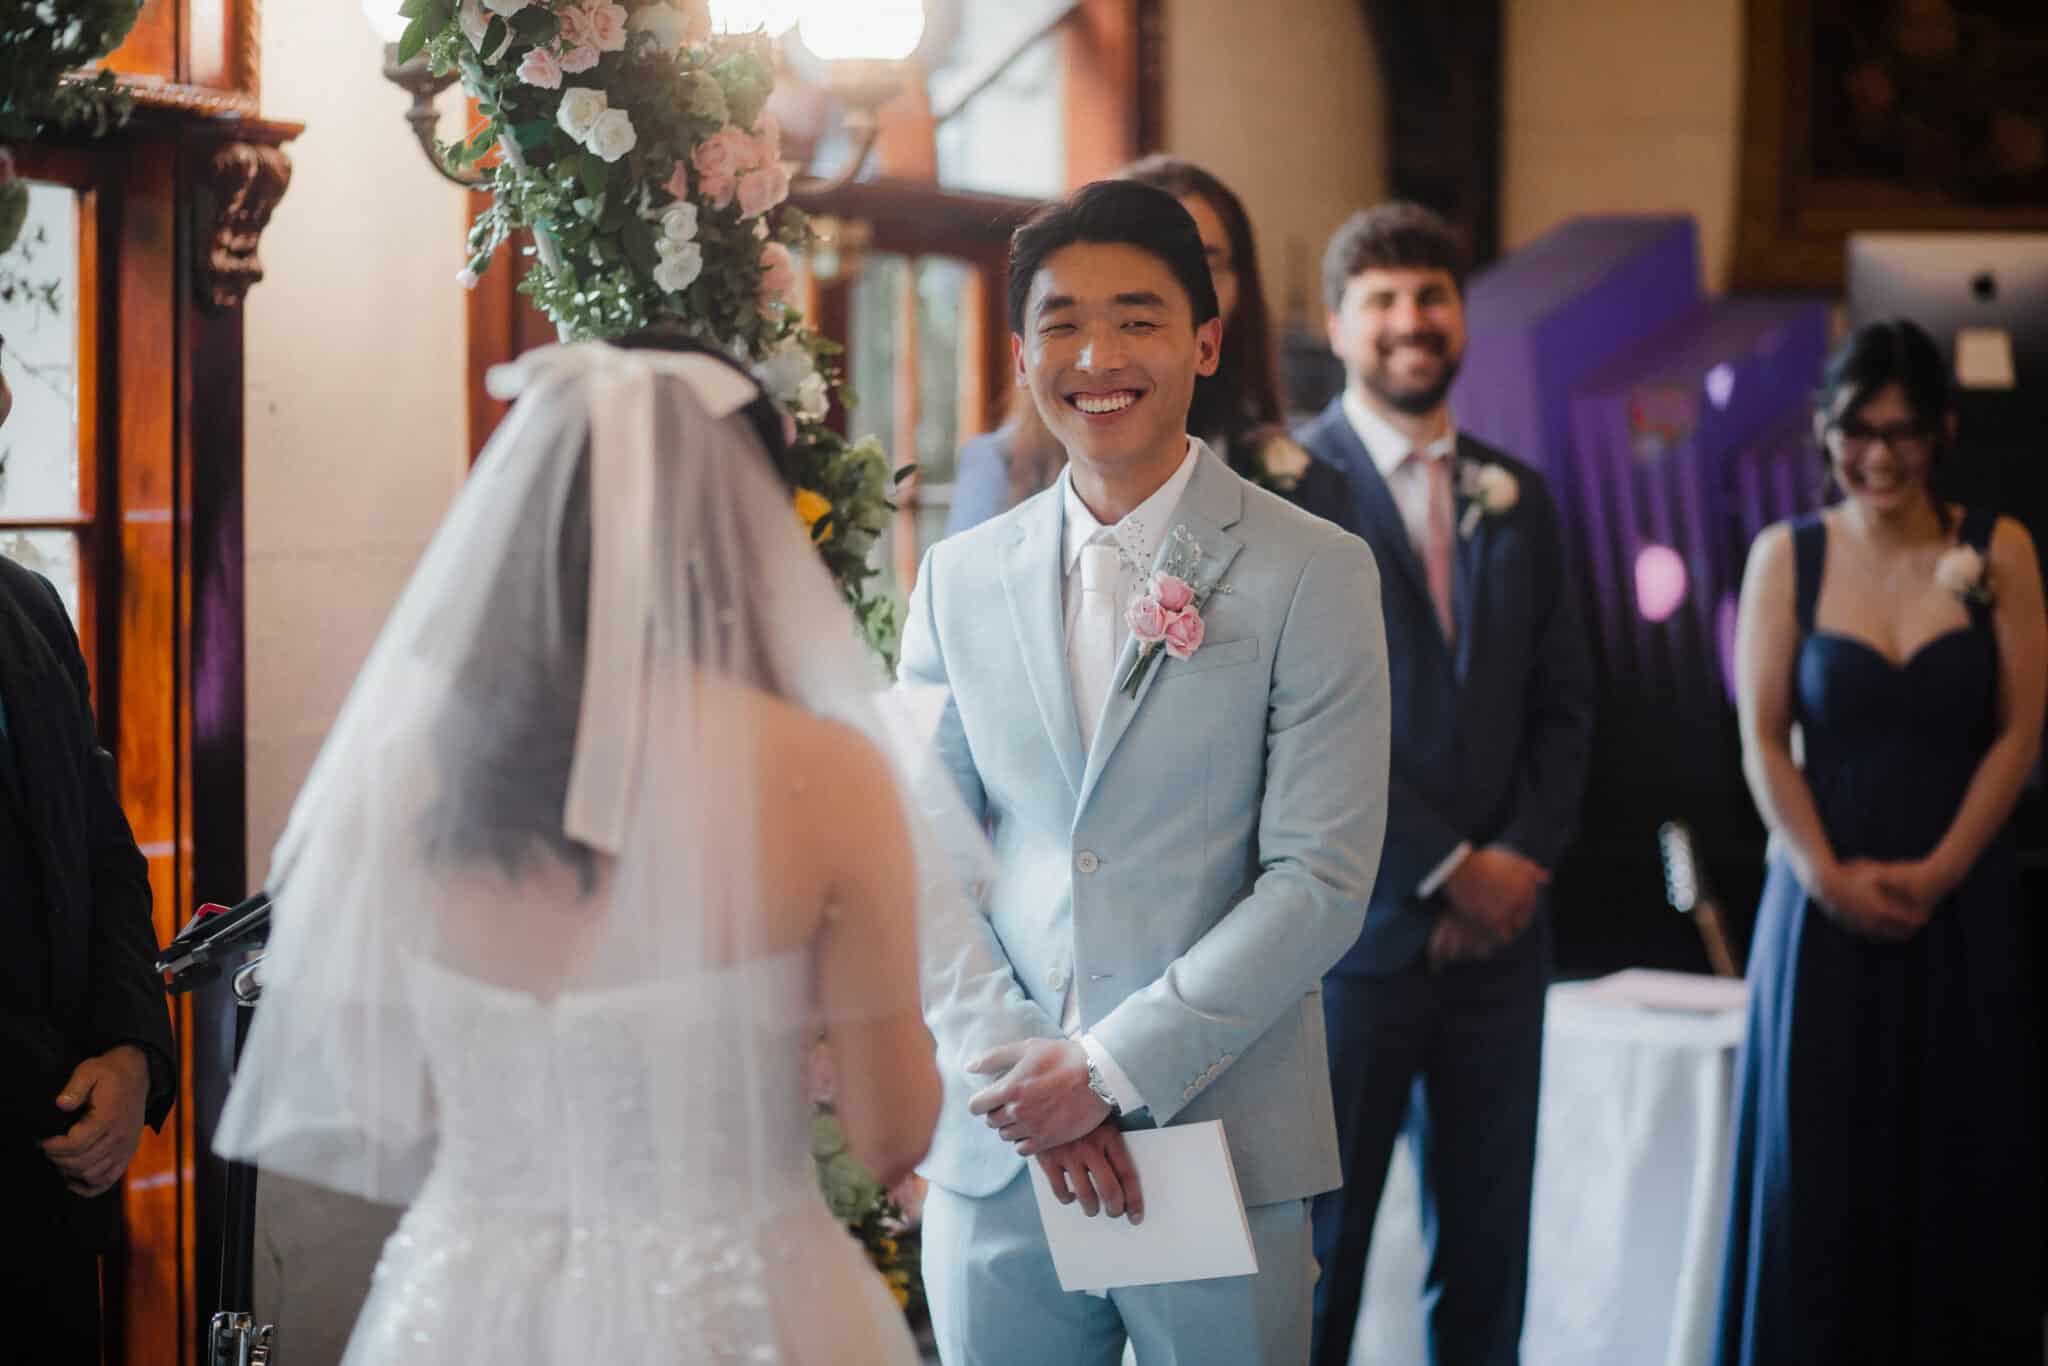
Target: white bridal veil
(547, 782)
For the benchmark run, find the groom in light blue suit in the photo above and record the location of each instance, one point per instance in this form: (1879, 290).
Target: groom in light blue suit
(1186, 837)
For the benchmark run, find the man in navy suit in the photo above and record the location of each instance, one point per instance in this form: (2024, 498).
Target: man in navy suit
(1435, 1017)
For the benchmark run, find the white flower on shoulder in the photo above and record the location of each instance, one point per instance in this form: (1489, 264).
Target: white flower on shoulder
(813, 397)
(784, 370)
(612, 136)
(1282, 463)
(1963, 572)
(680, 266)
(581, 108)
(668, 26)
(679, 223)
(1490, 490)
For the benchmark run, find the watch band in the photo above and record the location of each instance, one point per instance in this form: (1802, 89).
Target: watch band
(1101, 1089)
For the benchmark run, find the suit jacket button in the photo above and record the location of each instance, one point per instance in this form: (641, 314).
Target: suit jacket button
(1086, 862)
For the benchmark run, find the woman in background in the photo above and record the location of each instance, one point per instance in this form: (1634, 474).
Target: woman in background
(1885, 1202)
(1237, 410)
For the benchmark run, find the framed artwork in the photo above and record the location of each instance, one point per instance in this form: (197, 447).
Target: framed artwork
(198, 56)
(1886, 114)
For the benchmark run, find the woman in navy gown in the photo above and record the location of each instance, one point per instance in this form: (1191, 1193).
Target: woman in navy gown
(1885, 1205)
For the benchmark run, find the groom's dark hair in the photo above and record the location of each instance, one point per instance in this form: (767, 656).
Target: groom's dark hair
(1118, 212)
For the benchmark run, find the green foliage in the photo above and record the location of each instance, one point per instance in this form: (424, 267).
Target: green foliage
(43, 45)
(604, 220)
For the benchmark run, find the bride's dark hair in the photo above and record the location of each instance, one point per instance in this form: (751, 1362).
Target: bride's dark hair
(506, 743)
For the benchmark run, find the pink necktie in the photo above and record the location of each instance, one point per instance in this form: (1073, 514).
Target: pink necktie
(1436, 547)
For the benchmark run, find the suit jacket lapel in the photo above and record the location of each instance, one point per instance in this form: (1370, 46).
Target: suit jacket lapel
(1379, 518)
(1214, 500)
(26, 670)
(1033, 574)
(1467, 592)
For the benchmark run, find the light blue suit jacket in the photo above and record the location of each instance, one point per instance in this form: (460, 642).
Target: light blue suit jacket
(1204, 864)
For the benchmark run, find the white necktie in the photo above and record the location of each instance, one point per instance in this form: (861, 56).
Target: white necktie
(1098, 632)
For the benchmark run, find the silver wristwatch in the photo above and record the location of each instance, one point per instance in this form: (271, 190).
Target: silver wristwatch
(1101, 1089)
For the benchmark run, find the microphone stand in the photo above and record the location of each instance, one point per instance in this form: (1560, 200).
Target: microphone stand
(197, 955)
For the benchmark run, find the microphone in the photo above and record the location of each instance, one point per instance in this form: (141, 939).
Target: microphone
(195, 954)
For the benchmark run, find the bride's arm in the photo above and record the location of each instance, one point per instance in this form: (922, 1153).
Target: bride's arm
(887, 1097)
(2022, 684)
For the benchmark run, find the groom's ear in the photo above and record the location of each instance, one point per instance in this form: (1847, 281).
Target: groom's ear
(1017, 356)
(1208, 346)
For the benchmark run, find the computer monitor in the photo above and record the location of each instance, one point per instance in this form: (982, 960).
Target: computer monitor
(1984, 299)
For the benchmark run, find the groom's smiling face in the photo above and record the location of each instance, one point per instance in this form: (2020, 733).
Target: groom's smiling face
(1110, 352)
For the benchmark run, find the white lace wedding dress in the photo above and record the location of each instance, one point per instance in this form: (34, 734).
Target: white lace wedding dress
(541, 1109)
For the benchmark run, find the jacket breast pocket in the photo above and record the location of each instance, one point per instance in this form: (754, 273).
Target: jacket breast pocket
(1220, 654)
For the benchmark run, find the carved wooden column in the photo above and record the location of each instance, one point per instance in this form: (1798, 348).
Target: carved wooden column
(235, 175)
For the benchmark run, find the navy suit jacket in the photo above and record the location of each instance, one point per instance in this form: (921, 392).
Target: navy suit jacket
(1492, 740)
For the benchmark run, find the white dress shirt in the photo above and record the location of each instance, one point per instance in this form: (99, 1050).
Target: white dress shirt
(1092, 658)
(1407, 480)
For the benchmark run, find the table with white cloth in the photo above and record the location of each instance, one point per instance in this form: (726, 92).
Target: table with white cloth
(1632, 1149)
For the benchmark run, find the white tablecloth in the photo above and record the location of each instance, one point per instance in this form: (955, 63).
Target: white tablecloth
(1632, 1152)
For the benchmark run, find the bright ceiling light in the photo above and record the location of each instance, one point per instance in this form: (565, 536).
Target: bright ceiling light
(868, 31)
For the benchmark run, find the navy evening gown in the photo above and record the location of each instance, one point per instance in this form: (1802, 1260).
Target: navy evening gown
(1885, 1205)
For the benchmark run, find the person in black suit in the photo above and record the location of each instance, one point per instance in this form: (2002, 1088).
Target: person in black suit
(1435, 1017)
(86, 1056)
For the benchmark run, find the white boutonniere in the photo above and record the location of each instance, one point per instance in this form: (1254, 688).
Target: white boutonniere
(1281, 463)
(1489, 490)
(1963, 572)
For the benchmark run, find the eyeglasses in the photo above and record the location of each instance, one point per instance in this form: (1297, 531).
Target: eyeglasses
(1902, 438)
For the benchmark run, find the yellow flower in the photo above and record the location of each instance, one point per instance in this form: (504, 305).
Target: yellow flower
(902, 1296)
(810, 506)
(888, 1247)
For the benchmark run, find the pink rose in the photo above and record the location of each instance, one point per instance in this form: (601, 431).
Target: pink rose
(716, 189)
(580, 59)
(1147, 620)
(1184, 634)
(762, 190)
(541, 69)
(678, 184)
(606, 26)
(725, 153)
(778, 273)
(573, 25)
(767, 140)
(1173, 593)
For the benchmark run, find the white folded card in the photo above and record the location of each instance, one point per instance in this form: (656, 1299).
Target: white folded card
(1194, 1228)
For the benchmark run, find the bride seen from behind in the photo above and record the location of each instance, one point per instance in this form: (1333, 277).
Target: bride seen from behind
(609, 827)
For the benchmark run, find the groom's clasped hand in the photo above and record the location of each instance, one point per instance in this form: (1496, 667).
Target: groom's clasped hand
(1041, 1103)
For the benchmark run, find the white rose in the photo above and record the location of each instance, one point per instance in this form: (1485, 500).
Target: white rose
(612, 136)
(813, 399)
(782, 372)
(474, 23)
(1284, 462)
(679, 223)
(680, 268)
(668, 25)
(1961, 572)
(505, 9)
(581, 108)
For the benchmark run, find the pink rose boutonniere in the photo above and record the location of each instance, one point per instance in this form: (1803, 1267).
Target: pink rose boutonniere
(1168, 614)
